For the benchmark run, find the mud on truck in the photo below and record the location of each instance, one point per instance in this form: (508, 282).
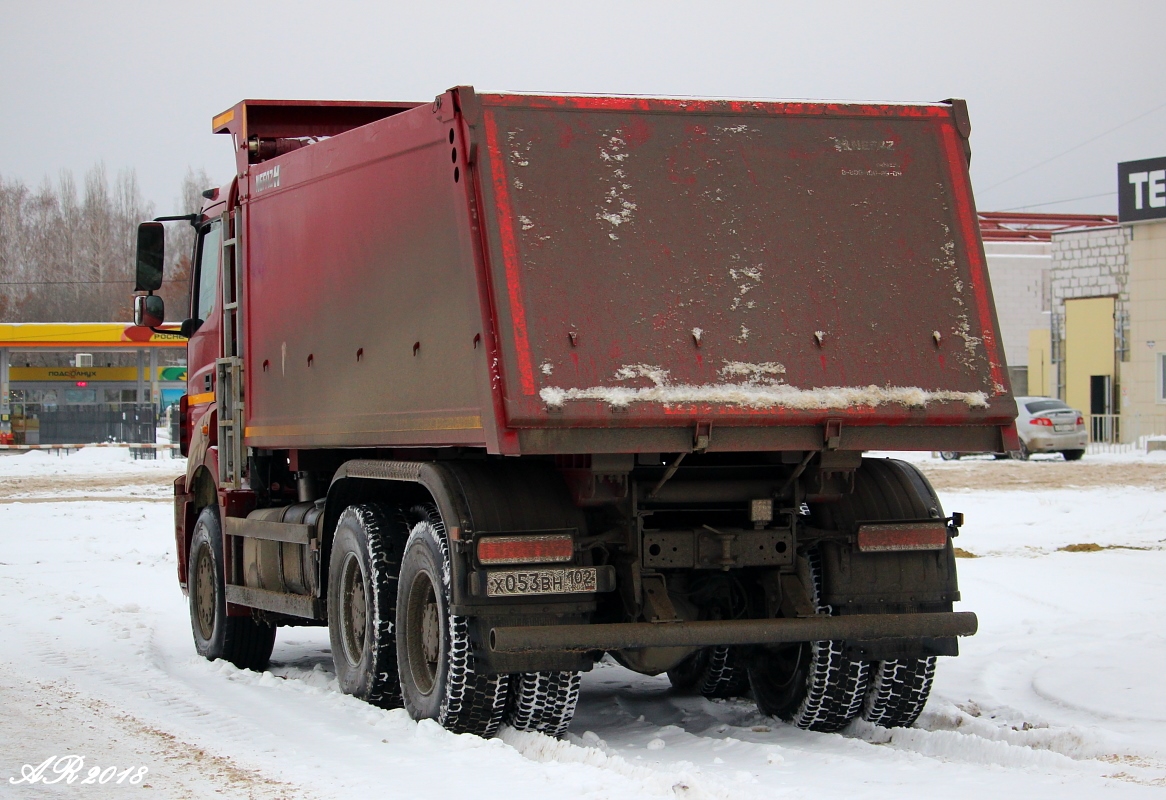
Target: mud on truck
(497, 384)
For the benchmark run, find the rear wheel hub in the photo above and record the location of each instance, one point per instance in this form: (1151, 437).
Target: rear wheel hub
(204, 590)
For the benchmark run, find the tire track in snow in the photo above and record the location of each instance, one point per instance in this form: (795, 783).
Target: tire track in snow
(681, 780)
(188, 699)
(153, 684)
(945, 734)
(826, 762)
(105, 736)
(1006, 738)
(162, 685)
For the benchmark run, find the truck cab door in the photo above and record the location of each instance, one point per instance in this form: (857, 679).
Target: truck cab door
(206, 343)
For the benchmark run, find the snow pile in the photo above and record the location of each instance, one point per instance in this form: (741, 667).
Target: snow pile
(86, 461)
(757, 393)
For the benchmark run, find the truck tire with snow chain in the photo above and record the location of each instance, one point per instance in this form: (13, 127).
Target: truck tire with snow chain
(714, 672)
(362, 600)
(898, 691)
(543, 701)
(434, 653)
(724, 677)
(885, 490)
(813, 685)
(241, 640)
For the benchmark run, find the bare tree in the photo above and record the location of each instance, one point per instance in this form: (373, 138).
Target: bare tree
(180, 245)
(65, 257)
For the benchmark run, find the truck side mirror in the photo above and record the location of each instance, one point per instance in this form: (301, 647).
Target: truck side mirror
(151, 255)
(149, 310)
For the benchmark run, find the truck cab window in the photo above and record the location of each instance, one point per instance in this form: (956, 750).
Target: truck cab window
(207, 277)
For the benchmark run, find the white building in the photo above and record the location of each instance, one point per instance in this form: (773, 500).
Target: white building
(1020, 262)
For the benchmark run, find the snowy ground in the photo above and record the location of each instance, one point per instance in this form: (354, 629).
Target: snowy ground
(1061, 694)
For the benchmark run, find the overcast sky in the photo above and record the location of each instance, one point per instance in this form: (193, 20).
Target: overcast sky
(136, 84)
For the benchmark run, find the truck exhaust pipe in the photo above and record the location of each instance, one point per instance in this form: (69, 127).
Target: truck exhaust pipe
(621, 636)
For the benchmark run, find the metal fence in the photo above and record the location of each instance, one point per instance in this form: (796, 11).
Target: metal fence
(135, 423)
(1122, 433)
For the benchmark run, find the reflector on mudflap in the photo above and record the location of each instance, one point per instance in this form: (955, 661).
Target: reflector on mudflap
(891, 537)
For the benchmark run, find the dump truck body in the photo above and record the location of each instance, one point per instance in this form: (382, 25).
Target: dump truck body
(539, 274)
(496, 384)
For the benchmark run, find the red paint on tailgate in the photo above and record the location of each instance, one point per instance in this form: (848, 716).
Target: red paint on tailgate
(510, 256)
(969, 230)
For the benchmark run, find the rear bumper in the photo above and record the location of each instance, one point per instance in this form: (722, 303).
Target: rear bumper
(622, 636)
(1055, 442)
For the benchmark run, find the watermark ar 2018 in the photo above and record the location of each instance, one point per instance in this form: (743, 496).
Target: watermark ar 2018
(71, 769)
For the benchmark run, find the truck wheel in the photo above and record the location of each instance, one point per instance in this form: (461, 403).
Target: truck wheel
(689, 673)
(362, 600)
(1073, 455)
(241, 640)
(723, 676)
(887, 489)
(898, 691)
(543, 701)
(715, 672)
(949, 455)
(813, 685)
(434, 653)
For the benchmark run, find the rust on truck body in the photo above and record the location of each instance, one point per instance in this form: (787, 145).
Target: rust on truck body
(572, 274)
(739, 259)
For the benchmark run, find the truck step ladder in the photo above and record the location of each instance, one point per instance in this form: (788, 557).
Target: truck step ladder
(229, 393)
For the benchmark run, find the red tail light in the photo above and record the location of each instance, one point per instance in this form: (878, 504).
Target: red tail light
(1045, 421)
(1080, 420)
(526, 549)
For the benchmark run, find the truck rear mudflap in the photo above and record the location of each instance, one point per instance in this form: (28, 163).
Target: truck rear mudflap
(658, 263)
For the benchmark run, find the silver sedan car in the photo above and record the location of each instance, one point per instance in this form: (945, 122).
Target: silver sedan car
(1046, 425)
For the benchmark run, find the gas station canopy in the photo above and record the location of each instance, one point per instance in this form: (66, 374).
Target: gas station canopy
(68, 336)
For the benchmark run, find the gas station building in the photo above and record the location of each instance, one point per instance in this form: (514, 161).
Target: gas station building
(157, 380)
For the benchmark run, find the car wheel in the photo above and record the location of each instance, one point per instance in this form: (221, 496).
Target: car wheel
(1073, 455)
(1022, 453)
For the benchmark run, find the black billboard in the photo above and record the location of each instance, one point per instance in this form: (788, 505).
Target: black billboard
(1141, 190)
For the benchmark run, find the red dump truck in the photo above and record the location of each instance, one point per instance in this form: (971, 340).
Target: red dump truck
(495, 385)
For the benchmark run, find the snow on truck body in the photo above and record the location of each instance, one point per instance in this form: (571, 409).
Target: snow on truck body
(619, 254)
(495, 384)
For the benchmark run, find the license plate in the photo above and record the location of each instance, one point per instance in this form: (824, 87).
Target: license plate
(541, 581)
(1064, 428)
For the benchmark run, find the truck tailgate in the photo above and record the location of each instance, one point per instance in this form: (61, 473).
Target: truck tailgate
(654, 262)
